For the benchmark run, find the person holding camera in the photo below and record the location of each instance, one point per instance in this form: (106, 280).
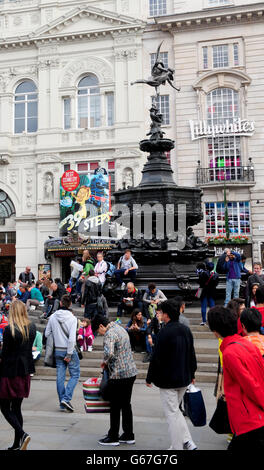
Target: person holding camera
(231, 261)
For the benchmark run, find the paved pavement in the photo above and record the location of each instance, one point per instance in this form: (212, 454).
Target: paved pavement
(51, 429)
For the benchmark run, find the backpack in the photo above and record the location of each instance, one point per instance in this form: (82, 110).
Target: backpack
(220, 266)
(95, 290)
(110, 269)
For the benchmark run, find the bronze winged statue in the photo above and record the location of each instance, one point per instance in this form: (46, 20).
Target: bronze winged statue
(159, 74)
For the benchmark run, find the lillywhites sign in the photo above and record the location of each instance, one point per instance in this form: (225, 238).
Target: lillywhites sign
(237, 127)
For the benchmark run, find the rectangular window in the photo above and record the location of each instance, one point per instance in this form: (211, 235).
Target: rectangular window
(66, 167)
(86, 168)
(7, 237)
(110, 109)
(163, 58)
(224, 158)
(164, 108)
(238, 218)
(236, 55)
(220, 56)
(67, 113)
(157, 7)
(205, 57)
(216, 3)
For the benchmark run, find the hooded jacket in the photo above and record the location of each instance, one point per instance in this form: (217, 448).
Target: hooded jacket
(69, 322)
(243, 368)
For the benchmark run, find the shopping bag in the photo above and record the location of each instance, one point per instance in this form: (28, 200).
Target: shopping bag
(94, 403)
(219, 422)
(194, 406)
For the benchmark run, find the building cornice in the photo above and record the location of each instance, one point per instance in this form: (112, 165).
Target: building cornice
(210, 17)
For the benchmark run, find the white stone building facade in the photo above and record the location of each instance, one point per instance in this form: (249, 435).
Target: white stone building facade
(217, 48)
(66, 102)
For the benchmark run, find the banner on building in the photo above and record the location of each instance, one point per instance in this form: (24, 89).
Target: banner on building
(85, 202)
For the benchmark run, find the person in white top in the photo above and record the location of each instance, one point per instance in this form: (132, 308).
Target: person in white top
(100, 269)
(126, 268)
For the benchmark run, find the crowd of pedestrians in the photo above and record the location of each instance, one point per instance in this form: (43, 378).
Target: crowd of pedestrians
(157, 327)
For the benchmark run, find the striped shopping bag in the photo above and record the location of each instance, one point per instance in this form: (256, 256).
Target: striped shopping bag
(94, 403)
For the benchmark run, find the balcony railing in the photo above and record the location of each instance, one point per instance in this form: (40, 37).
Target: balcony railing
(226, 174)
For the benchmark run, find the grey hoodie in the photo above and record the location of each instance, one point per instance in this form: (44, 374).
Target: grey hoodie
(69, 322)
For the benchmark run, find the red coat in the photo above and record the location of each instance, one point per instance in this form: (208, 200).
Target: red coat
(243, 368)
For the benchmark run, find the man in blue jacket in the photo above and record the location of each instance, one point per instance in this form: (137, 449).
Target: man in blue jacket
(232, 266)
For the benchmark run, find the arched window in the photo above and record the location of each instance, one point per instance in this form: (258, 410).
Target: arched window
(26, 107)
(89, 102)
(223, 151)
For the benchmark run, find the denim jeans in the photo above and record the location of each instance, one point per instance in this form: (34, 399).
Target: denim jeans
(206, 301)
(120, 275)
(66, 393)
(232, 284)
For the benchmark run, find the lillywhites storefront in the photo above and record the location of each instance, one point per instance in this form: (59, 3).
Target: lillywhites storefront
(237, 127)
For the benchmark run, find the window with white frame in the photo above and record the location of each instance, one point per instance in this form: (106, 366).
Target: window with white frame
(157, 7)
(238, 218)
(89, 102)
(163, 58)
(218, 3)
(67, 113)
(26, 107)
(223, 54)
(220, 56)
(164, 108)
(224, 153)
(110, 108)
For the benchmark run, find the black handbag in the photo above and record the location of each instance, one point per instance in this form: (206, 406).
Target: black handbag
(104, 385)
(219, 422)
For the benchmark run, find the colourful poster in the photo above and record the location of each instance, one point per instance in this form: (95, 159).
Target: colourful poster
(84, 202)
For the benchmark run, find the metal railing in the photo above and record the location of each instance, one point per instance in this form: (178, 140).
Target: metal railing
(228, 174)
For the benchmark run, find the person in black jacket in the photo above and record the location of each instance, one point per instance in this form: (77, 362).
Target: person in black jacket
(208, 281)
(131, 299)
(172, 368)
(52, 302)
(16, 365)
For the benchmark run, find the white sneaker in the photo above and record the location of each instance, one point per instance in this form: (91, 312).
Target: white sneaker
(90, 348)
(189, 445)
(123, 286)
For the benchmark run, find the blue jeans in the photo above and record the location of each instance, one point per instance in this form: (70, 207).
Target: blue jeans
(119, 275)
(65, 393)
(232, 285)
(206, 301)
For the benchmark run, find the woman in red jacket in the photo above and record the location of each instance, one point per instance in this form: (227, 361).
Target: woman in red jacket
(243, 368)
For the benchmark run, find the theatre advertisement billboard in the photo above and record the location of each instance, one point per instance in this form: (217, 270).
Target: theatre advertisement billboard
(85, 202)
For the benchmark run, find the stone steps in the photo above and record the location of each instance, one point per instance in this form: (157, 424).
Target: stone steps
(205, 346)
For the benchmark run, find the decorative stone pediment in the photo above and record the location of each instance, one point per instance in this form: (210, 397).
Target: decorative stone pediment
(48, 159)
(235, 79)
(87, 20)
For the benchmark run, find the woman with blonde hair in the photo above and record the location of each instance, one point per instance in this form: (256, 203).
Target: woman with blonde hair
(16, 365)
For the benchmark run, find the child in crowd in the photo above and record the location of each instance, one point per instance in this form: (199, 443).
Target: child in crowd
(251, 321)
(253, 300)
(85, 335)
